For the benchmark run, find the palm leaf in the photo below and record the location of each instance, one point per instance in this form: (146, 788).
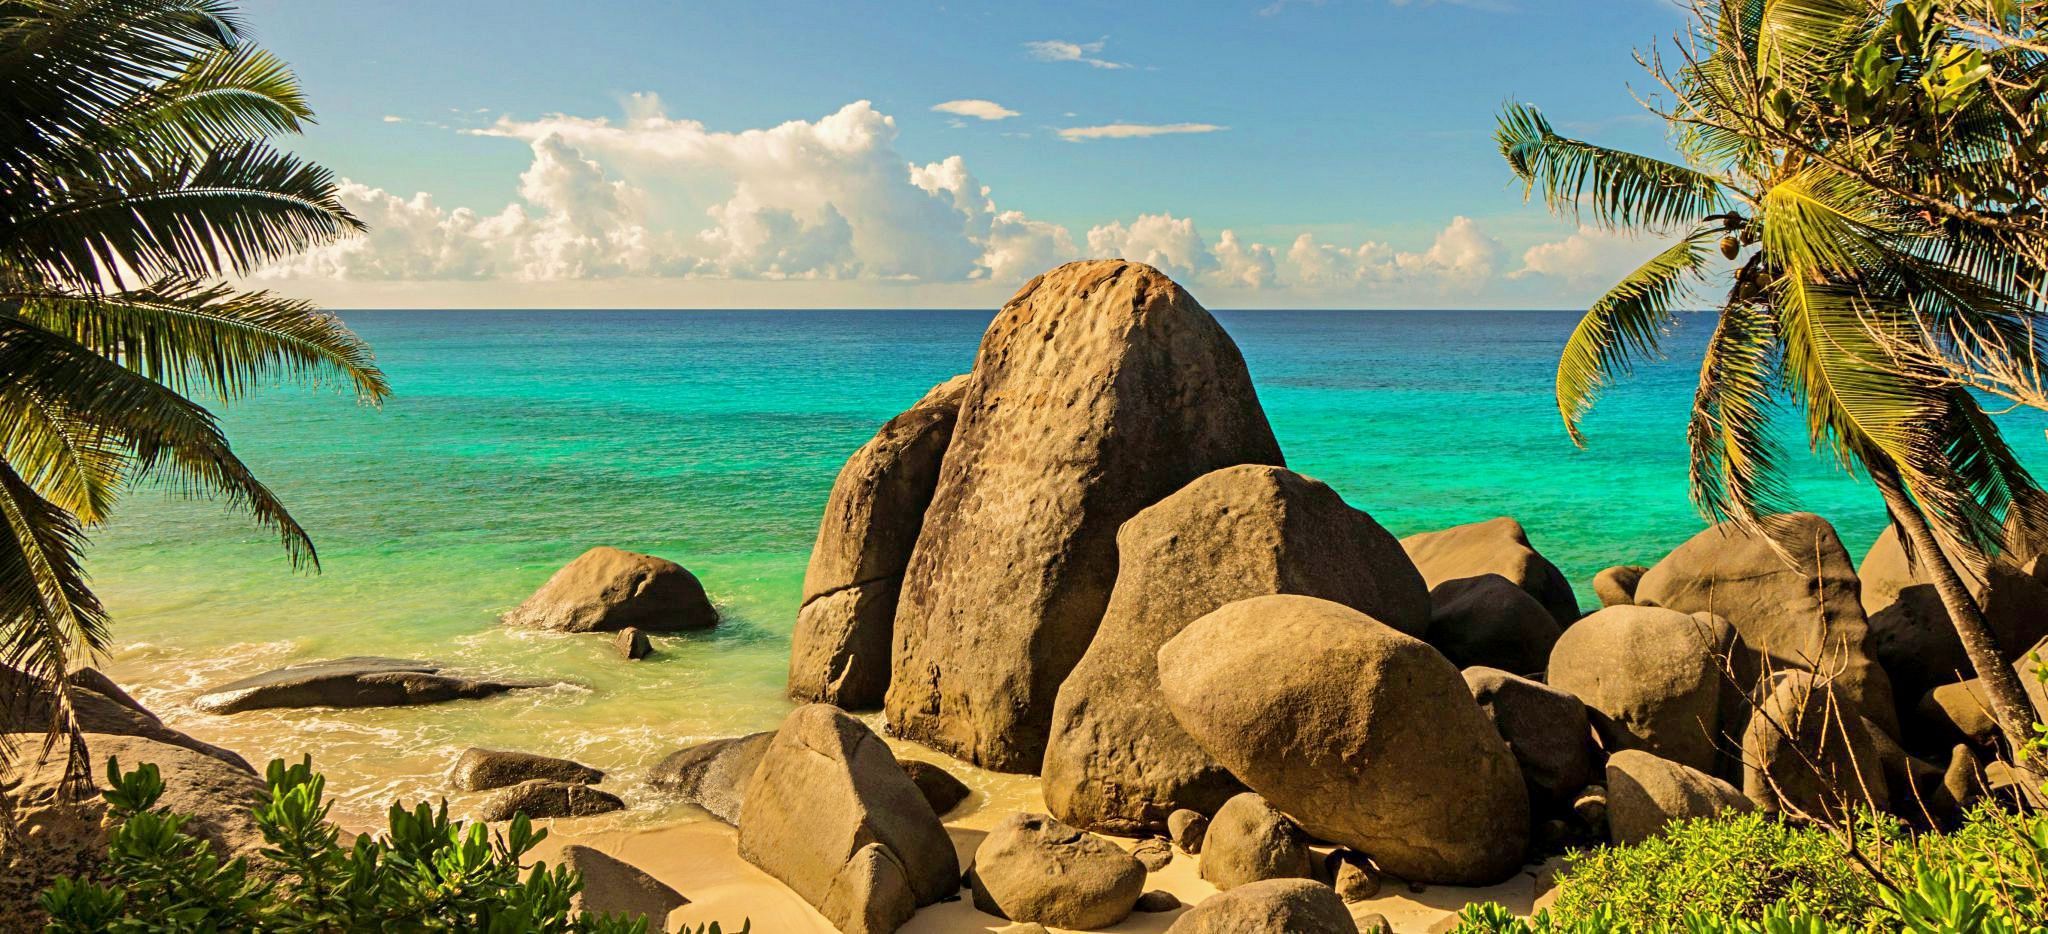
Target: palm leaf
(1627, 323)
(1735, 459)
(1621, 189)
(231, 95)
(1803, 42)
(46, 607)
(229, 212)
(170, 437)
(76, 465)
(185, 334)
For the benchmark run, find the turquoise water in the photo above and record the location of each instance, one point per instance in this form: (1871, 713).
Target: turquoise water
(516, 440)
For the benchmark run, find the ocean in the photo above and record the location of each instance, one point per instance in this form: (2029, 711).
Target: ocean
(516, 440)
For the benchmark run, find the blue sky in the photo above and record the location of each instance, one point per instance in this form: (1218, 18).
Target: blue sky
(725, 154)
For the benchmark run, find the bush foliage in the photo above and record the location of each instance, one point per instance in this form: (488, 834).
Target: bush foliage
(426, 873)
(1751, 874)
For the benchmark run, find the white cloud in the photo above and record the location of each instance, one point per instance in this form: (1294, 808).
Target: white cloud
(1058, 50)
(388, 118)
(831, 200)
(1587, 257)
(1135, 130)
(976, 108)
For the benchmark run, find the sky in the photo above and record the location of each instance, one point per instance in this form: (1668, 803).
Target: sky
(857, 154)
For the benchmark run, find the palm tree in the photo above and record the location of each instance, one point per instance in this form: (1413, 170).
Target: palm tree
(1830, 269)
(134, 178)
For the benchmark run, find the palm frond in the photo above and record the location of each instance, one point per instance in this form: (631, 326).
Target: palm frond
(231, 211)
(1625, 324)
(76, 465)
(231, 95)
(1736, 461)
(1803, 42)
(47, 608)
(185, 333)
(1620, 189)
(170, 437)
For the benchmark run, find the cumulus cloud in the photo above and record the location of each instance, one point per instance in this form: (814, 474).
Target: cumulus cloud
(1086, 53)
(652, 196)
(1589, 256)
(976, 108)
(1135, 130)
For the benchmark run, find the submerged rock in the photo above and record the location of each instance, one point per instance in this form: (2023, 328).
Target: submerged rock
(1365, 736)
(830, 814)
(713, 775)
(484, 769)
(1496, 546)
(839, 651)
(1117, 761)
(540, 797)
(357, 681)
(1098, 390)
(1031, 867)
(632, 644)
(607, 589)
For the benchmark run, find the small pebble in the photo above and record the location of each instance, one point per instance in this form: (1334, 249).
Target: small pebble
(1157, 900)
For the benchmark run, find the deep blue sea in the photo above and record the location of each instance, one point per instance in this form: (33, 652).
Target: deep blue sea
(515, 440)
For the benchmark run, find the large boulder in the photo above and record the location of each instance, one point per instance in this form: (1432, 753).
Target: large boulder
(1544, 727)
(1809, 754)
(1278, 906)
(608, 589)
(1795, 602)
(830, 813)
(1490, 622)
(1365, 736)
(2028, 668)
(612, 886)
(839, 651)
(1652, 678)
(1910, 631)
(99, 706)
(713, 775)
(357, 681)
(484, 769)
(1645, 792)
(45, 834)
(1249, 840)
(1496, 546)
(1959, 711)
(1101, 388)
(1117, 762)
(1031, 867)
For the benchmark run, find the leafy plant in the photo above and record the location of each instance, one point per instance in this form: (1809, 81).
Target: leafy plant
(1832, 153)
(135, 174)
(1753, 875)
(425, 873)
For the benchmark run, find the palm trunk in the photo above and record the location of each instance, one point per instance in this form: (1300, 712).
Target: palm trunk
(2009, 705)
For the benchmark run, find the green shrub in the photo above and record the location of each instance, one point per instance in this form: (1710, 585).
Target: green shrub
(1750, 874)
(427, 873)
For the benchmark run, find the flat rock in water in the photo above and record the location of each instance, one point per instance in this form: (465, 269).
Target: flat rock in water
(542, 798)
(713, 775)
(357, 681)
(608, 589)
(616, 887)
(484, 769)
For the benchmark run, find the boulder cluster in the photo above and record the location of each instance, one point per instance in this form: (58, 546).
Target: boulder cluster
(1085, 559)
